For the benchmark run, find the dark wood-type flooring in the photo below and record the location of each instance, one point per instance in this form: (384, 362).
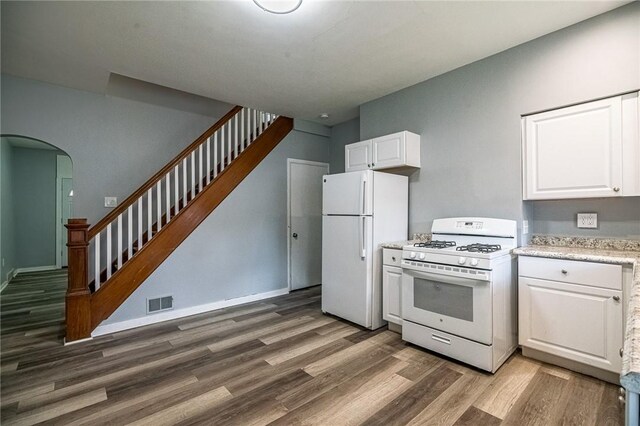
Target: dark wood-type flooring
(278, 361)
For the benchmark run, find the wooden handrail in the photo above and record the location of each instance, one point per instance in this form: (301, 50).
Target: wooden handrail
(113, 215)
(126, 280)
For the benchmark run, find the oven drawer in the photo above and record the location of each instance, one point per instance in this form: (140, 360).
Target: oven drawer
(467, 351)
(392, 257)
(600, 275)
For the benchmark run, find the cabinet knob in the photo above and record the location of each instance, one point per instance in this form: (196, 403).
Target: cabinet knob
(616, 298)
(616, 189)
(621, 352)
(368, 165)
(621, 400)
(373, 164)
(393, 258)
(564, 271)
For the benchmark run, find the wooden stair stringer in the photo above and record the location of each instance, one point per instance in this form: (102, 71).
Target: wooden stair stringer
(145, 261)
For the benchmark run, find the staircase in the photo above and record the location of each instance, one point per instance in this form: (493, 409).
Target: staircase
(109, 261)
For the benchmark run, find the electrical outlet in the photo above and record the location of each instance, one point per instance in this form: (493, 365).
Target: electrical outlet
(525, 227)
(587, 220)
(111, 201)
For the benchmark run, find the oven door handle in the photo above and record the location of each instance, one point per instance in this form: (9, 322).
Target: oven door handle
(447, 279)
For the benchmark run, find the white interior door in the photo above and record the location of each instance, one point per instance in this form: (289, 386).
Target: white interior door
(67, 212)
(305, 222)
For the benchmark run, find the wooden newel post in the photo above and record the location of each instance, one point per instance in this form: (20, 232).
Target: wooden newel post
(78, 300)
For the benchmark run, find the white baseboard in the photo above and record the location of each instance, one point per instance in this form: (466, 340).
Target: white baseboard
(181, 313)
(12, 273)
(35, 269)
(75, 342)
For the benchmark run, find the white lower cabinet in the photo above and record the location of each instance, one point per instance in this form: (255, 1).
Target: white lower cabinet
(392, 286)
(578, 322)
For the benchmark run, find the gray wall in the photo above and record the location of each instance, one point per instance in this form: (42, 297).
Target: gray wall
(34, 205)
(7, 224)
(469, 120)
(241, 248)
(115, 144)
(342, 134)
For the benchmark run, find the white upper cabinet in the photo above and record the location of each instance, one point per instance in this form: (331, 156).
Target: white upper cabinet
(578, 151)
(398, 150)
(358, 156)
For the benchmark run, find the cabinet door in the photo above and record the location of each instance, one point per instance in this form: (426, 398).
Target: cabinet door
(389, 151)
(357, 156)
(391, 294)
(574, 152)
(576, 322)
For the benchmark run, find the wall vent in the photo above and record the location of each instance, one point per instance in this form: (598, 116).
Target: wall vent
(158, 304)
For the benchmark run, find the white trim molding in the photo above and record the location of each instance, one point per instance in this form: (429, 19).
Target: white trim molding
(101, 330)
(35, 269)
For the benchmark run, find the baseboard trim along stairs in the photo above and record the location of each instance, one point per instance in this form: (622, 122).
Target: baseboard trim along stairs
(109, 261)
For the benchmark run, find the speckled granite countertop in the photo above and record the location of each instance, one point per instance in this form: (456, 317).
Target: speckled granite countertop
(605, 251)
(417, 238)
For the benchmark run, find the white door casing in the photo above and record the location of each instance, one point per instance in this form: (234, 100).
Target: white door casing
(63, 171)
(304, 222)
(67, 212)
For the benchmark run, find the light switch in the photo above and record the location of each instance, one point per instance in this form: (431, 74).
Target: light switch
(525, 227)
(111, 201)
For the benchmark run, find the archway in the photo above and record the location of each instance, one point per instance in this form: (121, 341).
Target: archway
(36, 193)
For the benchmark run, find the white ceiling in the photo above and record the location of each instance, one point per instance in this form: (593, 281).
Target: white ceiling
(328, 56)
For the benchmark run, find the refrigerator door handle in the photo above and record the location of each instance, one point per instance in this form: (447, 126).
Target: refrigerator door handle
(363, 194)
(363, 251)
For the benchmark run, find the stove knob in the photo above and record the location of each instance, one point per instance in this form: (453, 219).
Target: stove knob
(462, 260)
(422, 256)
(412, 255)
(474, 262)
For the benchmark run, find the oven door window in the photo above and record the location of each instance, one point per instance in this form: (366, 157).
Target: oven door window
(451, 300)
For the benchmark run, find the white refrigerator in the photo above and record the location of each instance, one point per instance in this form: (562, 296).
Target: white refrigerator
(360, 210)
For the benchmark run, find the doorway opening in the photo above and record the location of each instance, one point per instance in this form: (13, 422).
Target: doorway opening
(304, 222)
(37, 199)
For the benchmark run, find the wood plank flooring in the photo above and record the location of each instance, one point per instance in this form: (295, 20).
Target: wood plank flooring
(278, 361)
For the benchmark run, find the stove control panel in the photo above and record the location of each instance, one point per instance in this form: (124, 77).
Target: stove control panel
(469, 225)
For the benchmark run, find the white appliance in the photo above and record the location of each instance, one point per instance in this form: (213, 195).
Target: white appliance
(459, 291)
(360, 210)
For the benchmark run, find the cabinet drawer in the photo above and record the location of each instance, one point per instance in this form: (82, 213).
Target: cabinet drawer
(392, 257)
(571, 271)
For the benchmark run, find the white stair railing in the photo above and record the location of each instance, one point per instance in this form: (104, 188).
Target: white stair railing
(177, 189)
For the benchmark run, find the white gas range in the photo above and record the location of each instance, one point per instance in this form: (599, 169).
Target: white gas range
(459, 291)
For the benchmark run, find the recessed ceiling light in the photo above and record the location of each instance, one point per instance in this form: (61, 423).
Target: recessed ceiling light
(324, 115)
(279, 7)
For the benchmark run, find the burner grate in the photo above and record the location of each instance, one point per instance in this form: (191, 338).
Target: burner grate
(436, 244)
(480, 248)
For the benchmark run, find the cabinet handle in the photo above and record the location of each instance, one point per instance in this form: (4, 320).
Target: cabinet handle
(564, 271)
(616, 189)
(616, 298)
(621, 352)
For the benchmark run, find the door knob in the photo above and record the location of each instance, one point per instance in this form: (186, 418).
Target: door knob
(295, 235)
